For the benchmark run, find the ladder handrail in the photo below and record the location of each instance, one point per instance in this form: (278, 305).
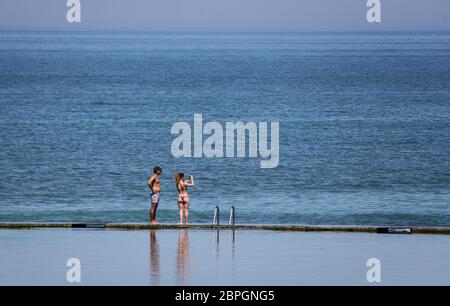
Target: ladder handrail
(232, 216)
(232, 220)
(216, 220)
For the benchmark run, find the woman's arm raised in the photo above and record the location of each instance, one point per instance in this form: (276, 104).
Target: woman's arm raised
(191, 182)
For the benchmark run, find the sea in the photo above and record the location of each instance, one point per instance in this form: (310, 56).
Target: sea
(364, 121)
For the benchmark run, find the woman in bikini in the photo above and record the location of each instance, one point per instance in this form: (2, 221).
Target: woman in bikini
(183, 195)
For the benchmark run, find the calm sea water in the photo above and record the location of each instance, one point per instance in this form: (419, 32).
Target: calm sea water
(365, 125)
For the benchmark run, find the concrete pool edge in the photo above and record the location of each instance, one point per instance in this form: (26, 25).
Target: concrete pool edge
(288, 228)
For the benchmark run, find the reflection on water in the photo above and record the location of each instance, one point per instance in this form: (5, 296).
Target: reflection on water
(217, 244)
(114, 257)
(183, 262)
(233, 240)
(154, 259)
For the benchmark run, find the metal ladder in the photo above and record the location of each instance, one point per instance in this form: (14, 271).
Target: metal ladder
(216, 220)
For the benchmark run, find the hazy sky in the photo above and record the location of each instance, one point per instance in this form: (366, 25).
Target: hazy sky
(227, 15)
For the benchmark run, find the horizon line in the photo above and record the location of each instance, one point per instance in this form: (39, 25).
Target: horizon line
(223, 30)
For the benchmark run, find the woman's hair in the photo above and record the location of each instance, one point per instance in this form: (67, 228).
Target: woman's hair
(179, 176)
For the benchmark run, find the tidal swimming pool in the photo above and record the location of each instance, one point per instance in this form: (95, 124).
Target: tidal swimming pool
(210, 257)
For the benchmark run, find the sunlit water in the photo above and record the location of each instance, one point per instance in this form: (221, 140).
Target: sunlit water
(204, 257)
(365, 125)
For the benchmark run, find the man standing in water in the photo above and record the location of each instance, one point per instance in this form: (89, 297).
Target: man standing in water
(155, 186)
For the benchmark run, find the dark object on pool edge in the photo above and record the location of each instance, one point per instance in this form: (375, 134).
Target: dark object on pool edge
(92, 225)
(396, 230)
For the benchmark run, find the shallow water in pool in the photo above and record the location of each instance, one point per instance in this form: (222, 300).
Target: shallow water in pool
(207, 257)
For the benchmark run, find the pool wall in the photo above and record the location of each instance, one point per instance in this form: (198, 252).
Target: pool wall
(292, 228)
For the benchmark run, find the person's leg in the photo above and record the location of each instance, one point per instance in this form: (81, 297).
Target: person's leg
(186, 214)
(151, 208)
(180, 206)
(155, 202)
(186, 210)
(153, 213)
